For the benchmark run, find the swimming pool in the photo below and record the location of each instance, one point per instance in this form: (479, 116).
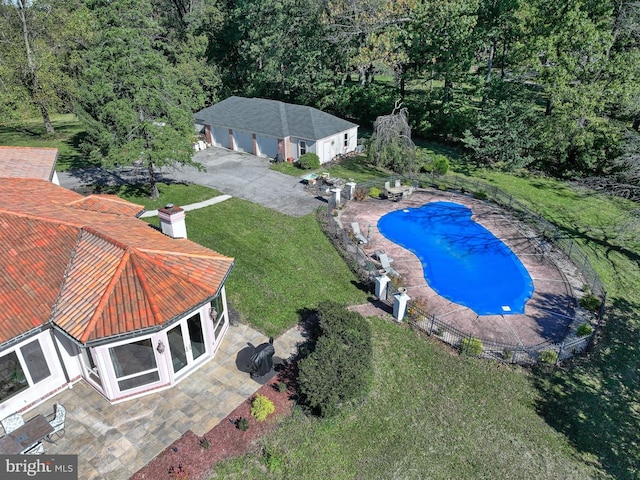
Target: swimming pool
(462, 261)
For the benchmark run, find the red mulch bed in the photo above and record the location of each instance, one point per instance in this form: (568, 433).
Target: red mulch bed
(187, 457)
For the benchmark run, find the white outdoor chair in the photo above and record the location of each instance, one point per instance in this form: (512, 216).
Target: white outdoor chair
(37, 449)
(12, 422)
(357, 233)
(386, 263)
(56, 420)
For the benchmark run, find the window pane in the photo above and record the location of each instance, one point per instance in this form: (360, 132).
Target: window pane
(176, 345)
(196, 336)
(133, 358)
(138, 381)
(36, 363)
(12, 378)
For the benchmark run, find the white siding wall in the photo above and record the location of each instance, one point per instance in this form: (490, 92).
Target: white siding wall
(334, 144)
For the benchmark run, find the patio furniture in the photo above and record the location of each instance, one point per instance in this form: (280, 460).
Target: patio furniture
(56, 420)
(357, 233)
(37, 450)
(26, 437)
(12, 422)
(386, 263)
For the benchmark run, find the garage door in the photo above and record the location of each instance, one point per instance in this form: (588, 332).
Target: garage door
(220, 137)
(243, 141)
(267, 146)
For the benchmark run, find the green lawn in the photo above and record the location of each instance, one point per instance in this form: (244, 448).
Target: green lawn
(284, 265)
(31, 133)
(431, 415)
(176, 193)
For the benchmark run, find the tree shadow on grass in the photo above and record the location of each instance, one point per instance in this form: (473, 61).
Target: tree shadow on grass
(595, 402)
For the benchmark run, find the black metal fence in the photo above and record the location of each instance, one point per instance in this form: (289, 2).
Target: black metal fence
(547, 352)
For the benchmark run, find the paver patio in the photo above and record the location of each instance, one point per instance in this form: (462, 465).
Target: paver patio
(114, 441)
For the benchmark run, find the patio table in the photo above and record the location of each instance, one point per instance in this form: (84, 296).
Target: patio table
(26, 436)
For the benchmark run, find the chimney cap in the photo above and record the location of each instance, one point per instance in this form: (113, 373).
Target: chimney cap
(169, 205)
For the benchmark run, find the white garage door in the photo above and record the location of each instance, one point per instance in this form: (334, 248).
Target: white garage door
(220, 137)
(243, 141)
(267, 146)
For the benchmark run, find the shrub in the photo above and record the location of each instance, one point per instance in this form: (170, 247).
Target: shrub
(549, 356)
(375, 192)
(507, 354)
(272, 459)
(590, 302)
(584, 329)
(309, 161)
(471, 346)
(480, 195)
(281, 387)
(261, 407)
(242, 424)
(437, 164)
(360, 194)
(340, 368)
(204, 443)
(443, 187)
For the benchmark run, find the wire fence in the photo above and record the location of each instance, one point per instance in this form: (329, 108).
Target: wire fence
(425, 322)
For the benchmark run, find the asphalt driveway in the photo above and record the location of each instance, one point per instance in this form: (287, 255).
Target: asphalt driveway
(237, 174)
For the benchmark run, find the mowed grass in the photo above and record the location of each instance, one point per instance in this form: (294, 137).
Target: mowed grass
(431, 415)
(284, 265)
(177, 193)
(67, 138)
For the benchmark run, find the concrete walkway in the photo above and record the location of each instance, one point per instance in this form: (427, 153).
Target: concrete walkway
(192, 206)
(114, 441)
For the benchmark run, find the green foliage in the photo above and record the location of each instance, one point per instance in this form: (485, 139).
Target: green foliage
(433, 163)
(471, 346)
(590, 302)
(309, 161)
(480, 195)
(584, 329)
(549, 356)
(204, 443)
(339, 370)
(261, 407)
(273, 459)
(281, 387)
(375, 192)
(242, 424)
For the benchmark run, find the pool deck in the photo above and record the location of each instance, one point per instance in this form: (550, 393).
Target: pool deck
(548, 314)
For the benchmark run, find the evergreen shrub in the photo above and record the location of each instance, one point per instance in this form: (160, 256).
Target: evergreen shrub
(261, 407)
(590, 302)
(309, 161)
(471, 346)
(584, 329)
(340, 368)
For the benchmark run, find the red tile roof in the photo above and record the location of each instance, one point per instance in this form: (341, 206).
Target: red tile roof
(28, 162)
(89, 266)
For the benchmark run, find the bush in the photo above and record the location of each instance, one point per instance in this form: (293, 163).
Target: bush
(435, 164)
(549, 356)
(242, 424)
(360, 194)
(375, 192)
(471, 346)
(281, 387)
(309, 161)
(507, 354)
(584, 329)
(480, 195)
(261, 407)
(340, 368)
(590, 302)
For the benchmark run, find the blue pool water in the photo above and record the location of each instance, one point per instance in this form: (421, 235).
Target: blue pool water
(462, 261)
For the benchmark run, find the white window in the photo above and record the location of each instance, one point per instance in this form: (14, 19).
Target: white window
(22, 368)
(345, 143)
(303, 147)
(134, 364)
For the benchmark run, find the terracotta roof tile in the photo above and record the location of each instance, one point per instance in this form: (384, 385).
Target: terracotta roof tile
(28, 162)
(91, 267)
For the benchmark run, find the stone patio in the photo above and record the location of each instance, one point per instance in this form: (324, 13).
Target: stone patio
(114, 441)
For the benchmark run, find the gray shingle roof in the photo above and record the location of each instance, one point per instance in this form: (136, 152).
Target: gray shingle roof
(272, 117)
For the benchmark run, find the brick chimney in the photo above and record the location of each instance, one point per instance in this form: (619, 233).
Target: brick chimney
(172, 221)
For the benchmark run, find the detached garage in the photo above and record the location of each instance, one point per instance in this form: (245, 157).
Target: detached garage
(269, 127)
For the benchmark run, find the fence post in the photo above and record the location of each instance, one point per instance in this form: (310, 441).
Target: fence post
(433, 319)
(559, 354)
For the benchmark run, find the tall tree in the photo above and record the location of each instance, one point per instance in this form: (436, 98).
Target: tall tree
(130, 96)
(37, 38)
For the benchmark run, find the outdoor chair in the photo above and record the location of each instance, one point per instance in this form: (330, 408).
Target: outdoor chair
(56, 420)
(12, 422)
(37, 449)
(386, 263)
(357, 233)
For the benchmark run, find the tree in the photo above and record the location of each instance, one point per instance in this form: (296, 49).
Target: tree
(391, 145)
(130, 96)
(37, 41)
